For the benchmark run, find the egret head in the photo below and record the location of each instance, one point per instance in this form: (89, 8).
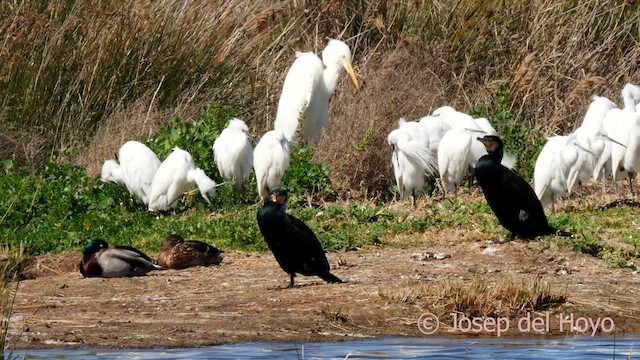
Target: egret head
(238, 124)
(111, 172)
(337, 52)
(206, 186)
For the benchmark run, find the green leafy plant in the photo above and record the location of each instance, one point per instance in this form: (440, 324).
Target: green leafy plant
(306, 176)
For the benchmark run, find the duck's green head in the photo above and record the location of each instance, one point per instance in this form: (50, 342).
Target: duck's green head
(94, 246)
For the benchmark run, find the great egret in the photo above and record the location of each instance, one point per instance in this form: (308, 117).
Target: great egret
(233, 154)
(293, 243)
(176, 175)
(100, 260)
(178, 253)
(511, 198)
(307, 88)
(270, 161)
(137, 168)
(412, 158)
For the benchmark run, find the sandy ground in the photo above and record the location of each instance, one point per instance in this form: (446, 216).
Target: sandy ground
(244, 299)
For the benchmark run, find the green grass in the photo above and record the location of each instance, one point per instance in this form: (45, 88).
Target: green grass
(60, 208)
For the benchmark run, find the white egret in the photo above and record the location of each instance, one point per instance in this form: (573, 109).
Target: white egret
(435, 128)
(557, 168)
(111, 172)
(137, 168)
(307, 88)
(454, 158)
(460, 120)
(270, 161)
(626, 159)
(176, 175)
(594, 120)
(412, 158)
(233, 154)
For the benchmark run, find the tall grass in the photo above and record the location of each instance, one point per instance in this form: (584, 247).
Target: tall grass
(10, 263)
(71, 67)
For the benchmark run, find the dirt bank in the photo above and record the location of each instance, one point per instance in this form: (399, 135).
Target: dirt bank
(244, 299)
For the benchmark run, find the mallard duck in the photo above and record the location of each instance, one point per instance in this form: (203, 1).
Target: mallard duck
(294, 245)
(100, 260)
(177, 253)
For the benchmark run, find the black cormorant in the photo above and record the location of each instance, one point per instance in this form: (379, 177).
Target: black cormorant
(510, 197)
(294, 245)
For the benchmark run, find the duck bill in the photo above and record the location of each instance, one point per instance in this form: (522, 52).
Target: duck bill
(606, 137)
(352, 74)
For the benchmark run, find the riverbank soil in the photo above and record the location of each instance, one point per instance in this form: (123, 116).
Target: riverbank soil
(245, 298)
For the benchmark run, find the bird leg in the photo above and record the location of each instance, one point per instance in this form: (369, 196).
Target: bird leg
(413, 199)
(631, 175)
(553, 205)
(471, 172)
(291, 276)
(580, 188)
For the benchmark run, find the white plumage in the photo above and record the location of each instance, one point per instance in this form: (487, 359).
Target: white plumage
(454, 158)
(270, 161)
(233, 154)
(309, 84)
(412, 158)
(554, 168)
(137, 168)
(176, 175)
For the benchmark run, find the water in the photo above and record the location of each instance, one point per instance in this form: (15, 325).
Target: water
(379, 348)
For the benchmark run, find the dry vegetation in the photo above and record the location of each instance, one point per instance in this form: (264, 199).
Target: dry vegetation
(481, 297)
(80, 76)
(10, 265)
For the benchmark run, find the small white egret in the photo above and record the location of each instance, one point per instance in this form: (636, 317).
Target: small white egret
(626, 159)
(137, 168)
(111, 172)
(414, 159)
(233, 154)
(557, 168)
(435, 128)
(270, 161)
(454, 158)
(176, 175)
(307, 88)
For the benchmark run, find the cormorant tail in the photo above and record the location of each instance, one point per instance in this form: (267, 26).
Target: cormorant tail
(329, 277)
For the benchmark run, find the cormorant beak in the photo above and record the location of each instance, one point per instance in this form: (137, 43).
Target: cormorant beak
(490, 145)
(352, 74)
(606, 137)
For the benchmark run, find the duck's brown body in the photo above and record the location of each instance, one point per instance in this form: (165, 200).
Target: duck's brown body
(177, 253)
